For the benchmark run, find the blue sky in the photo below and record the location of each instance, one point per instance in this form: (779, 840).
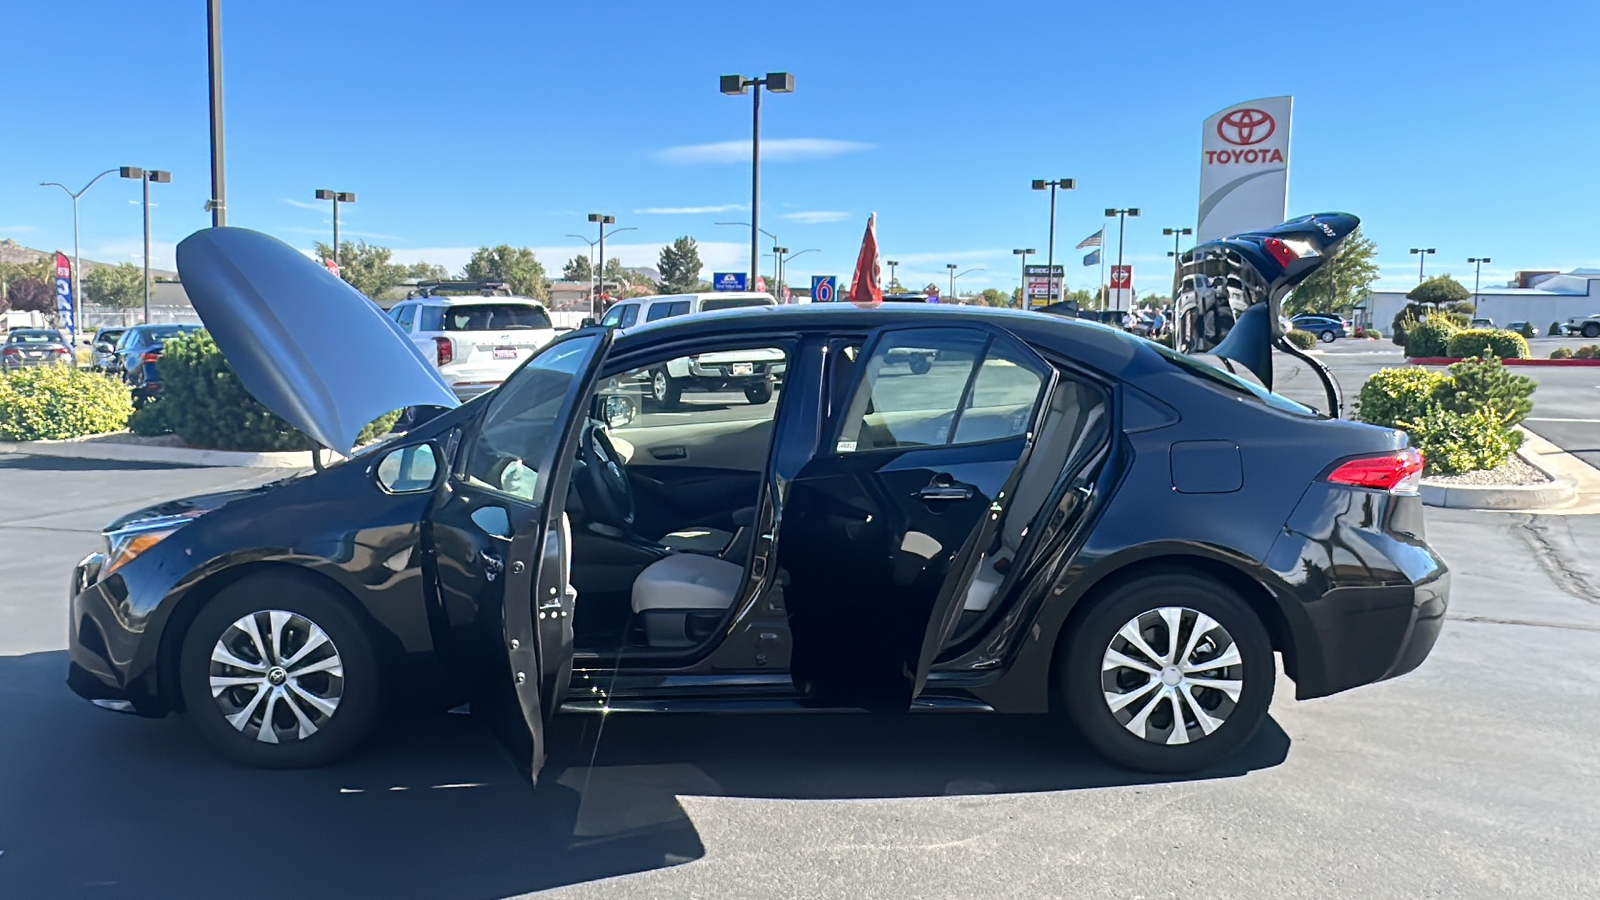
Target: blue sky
(1467, 126)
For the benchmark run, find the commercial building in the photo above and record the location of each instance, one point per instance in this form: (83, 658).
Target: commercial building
(1547, 298)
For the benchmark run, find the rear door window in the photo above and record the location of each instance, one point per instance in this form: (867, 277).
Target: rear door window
(407, 316)
(666, 310)
(430, 318)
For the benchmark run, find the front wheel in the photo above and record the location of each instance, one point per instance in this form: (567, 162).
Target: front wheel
(663, 390)
(758, 394)
(1168, 673)
(1328, 337)
(921, 365)
(278, 673)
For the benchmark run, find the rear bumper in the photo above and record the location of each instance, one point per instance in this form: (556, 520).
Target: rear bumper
(1370, 634)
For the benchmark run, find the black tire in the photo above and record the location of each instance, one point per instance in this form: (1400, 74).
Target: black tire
(664, 390)
(1329, 337)
(1591, 330)
(758, 394)
(921, 365)
(1084, 685)
(359, 705)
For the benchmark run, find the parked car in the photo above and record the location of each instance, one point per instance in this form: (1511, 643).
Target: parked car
(1521, 327)
(474, 333)
(1588, 326)
(1059, 517)
(1481, 323)
(1326, 329)
(641, 310)
(103, 348)
(752, 372)
(28, 347)
(134, 359)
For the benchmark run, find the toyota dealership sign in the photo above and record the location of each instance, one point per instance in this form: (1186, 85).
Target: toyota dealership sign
(1244, 168)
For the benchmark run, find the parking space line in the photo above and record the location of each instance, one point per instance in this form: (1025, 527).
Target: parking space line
(1553, 419)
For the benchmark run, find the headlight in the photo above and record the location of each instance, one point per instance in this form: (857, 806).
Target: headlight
(130, 541)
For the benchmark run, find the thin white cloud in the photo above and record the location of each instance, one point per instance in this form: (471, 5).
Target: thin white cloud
(776, 150)
(817, 216)
(689, 210)
(307, 204)
(16, 229)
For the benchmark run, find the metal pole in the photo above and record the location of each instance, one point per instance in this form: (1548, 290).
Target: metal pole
(755, 184)
(336, 228)
(1122, 221)
(1050, 259)
(77, 274)
(1421, 260)
(219, 203)
(1022, 292)
(146, 181)
(599, 274)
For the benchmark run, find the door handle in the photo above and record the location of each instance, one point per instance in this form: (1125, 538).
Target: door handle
(955, 491)
(492, 565)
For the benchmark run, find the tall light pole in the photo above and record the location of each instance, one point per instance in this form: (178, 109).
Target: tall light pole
(891, 263)
(1121, 215)
(735, 85)
(1022, 292)
(954, 275)
(601, 221)
(337, 197)
(1422, 258)
(77, 258)
(1039, 184)
(1178, 235)
(218, 204)
(1477, 276)
(146, 176)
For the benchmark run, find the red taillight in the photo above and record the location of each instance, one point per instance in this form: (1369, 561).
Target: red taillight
(1281, 252)
(1399, 471)
(150, 356)
(11, 351)
(444, 350)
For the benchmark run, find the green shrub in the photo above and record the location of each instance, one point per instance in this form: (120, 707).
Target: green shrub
(1555, 330)
(1401, 326)
(1527, 330)
(1458, 319)
(1560, 353)
(1484, 385)
(1429, 339)
(1305, 340)
(203, 403)
(1455, 442)
(1392, 396)
(1370, 333)
(1487, 342)
(53, 403)
(1589, 352)
(1463, 306)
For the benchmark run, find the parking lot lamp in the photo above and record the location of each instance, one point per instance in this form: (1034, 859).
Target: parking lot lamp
(337, 197)
(891, 263)
(1422, 258)
(146, 176)
(1121, 215)
(77, 259)
(1477, 276)
(1022, 292)
(733, 86)
(601, 221)
(1039, 184)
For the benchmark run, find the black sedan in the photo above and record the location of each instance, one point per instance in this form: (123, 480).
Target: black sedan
(28, 347)
(1055, 517)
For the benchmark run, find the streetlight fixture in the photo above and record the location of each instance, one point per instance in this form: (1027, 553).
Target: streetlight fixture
(146, 176)
(783, 255)
(1422, 258)
(1022, 292)
(1477, 276)
(891, 263)
(77, 259)
(1039, 184)
(337, 197)
(769, 234)
(954, 275)
(1121, 215)
(601, 221)
(595, 276)
(736, 85)
(1177, 235)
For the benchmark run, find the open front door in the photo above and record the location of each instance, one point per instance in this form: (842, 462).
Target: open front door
(501, 544)
(881, 529)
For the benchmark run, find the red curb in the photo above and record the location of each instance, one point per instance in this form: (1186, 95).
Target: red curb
(1447, 361)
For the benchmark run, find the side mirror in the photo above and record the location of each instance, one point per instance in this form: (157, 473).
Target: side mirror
(408, 470)
(587, 322)
(618, 410)
(103, 347)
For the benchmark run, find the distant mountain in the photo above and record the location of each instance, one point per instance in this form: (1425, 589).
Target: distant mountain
(15, 253)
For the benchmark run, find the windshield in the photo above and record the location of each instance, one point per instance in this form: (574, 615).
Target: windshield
(496, 317)
(35, 337)
(732, 303)
(163, 332)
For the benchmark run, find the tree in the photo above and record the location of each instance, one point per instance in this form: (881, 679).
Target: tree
(518, 267)
(427, 271)
(578, 268)
(120, 286)
(1440, 289)
(31, 294)
(1340, 282)
(365, 267)
(995, 297)
(680, 266)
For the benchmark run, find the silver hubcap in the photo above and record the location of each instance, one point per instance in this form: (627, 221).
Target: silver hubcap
(276, 676)
(1172, 675)
(660, 385)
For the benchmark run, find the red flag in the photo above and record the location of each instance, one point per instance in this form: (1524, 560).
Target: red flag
(864, 288)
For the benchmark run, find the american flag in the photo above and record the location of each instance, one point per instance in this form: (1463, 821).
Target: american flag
(1093, 240)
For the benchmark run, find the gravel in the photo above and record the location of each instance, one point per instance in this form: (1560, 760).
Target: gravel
(1513, 471)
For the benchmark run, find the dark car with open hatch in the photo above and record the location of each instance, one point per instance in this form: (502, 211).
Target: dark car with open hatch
(1052, 517)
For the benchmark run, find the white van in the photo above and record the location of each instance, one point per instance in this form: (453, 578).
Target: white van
(639, 310)
(753, 373)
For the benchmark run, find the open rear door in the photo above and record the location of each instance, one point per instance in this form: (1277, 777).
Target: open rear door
(882, 527)
(501, 541)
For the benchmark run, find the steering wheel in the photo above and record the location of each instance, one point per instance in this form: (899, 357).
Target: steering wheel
(602, 479)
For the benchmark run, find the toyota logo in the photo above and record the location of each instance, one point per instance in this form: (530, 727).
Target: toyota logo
(1243, 127)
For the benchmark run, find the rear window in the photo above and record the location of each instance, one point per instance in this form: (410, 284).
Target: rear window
(717, 303)
(1232, 382)
(163, 332)
(35, 337)
(659, 311)
(493, 317)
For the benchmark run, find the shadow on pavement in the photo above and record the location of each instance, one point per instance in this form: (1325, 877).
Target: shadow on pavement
(92, 802)
(69, 464)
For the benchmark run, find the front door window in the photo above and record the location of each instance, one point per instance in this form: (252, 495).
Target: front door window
(525, 420)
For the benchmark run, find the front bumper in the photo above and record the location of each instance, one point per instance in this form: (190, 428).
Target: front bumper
(100, 646)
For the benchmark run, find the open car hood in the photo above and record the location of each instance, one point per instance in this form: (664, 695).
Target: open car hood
(307, 345)
(1228, 296)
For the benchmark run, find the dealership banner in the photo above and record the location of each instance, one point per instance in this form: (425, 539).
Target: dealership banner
(64, 298)
(1122, 287)
(1244, 168)
(1042, 288)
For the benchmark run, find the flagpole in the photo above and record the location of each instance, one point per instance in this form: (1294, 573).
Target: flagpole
(1104, 299)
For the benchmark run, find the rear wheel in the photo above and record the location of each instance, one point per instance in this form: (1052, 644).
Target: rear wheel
(1591, 329)
(1169, 673)
(758, 394)
(663, 390)
(277, 673)
(921, 365)
(1328, 337)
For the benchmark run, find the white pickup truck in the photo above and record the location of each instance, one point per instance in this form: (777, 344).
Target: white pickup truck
(754, 372)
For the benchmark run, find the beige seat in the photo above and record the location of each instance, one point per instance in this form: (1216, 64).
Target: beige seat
(709, 541)
(687, 581)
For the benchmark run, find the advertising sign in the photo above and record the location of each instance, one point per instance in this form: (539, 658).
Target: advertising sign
(1122, 287)
(1244, 168)
(728, 281)
(824, 288)
(64, 298)
(1043, 284)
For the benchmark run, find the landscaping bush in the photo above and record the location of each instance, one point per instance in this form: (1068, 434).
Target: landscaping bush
(1458, 319)
(1527, 330)
(1370, 333)
(203, 403)
(1455, 442)
(1590, 352)
(1430, 338)
(1555, 330)
(1401, 326)
(1484, 385)
(1560, 353)
(1392, 396)
(1487, 342)
(53, 403)
(1305, 340)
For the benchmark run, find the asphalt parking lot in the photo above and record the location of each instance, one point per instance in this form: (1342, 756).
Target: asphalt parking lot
(1473, 777)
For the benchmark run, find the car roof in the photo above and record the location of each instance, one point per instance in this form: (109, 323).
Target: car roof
(704, 295)
(469, 300)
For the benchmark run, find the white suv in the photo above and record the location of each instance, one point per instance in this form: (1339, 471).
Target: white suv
(475, 340)
(753, 373)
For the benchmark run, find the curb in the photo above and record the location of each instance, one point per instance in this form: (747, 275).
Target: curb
(1450, 361)
(1570, 479)
(183, 456)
